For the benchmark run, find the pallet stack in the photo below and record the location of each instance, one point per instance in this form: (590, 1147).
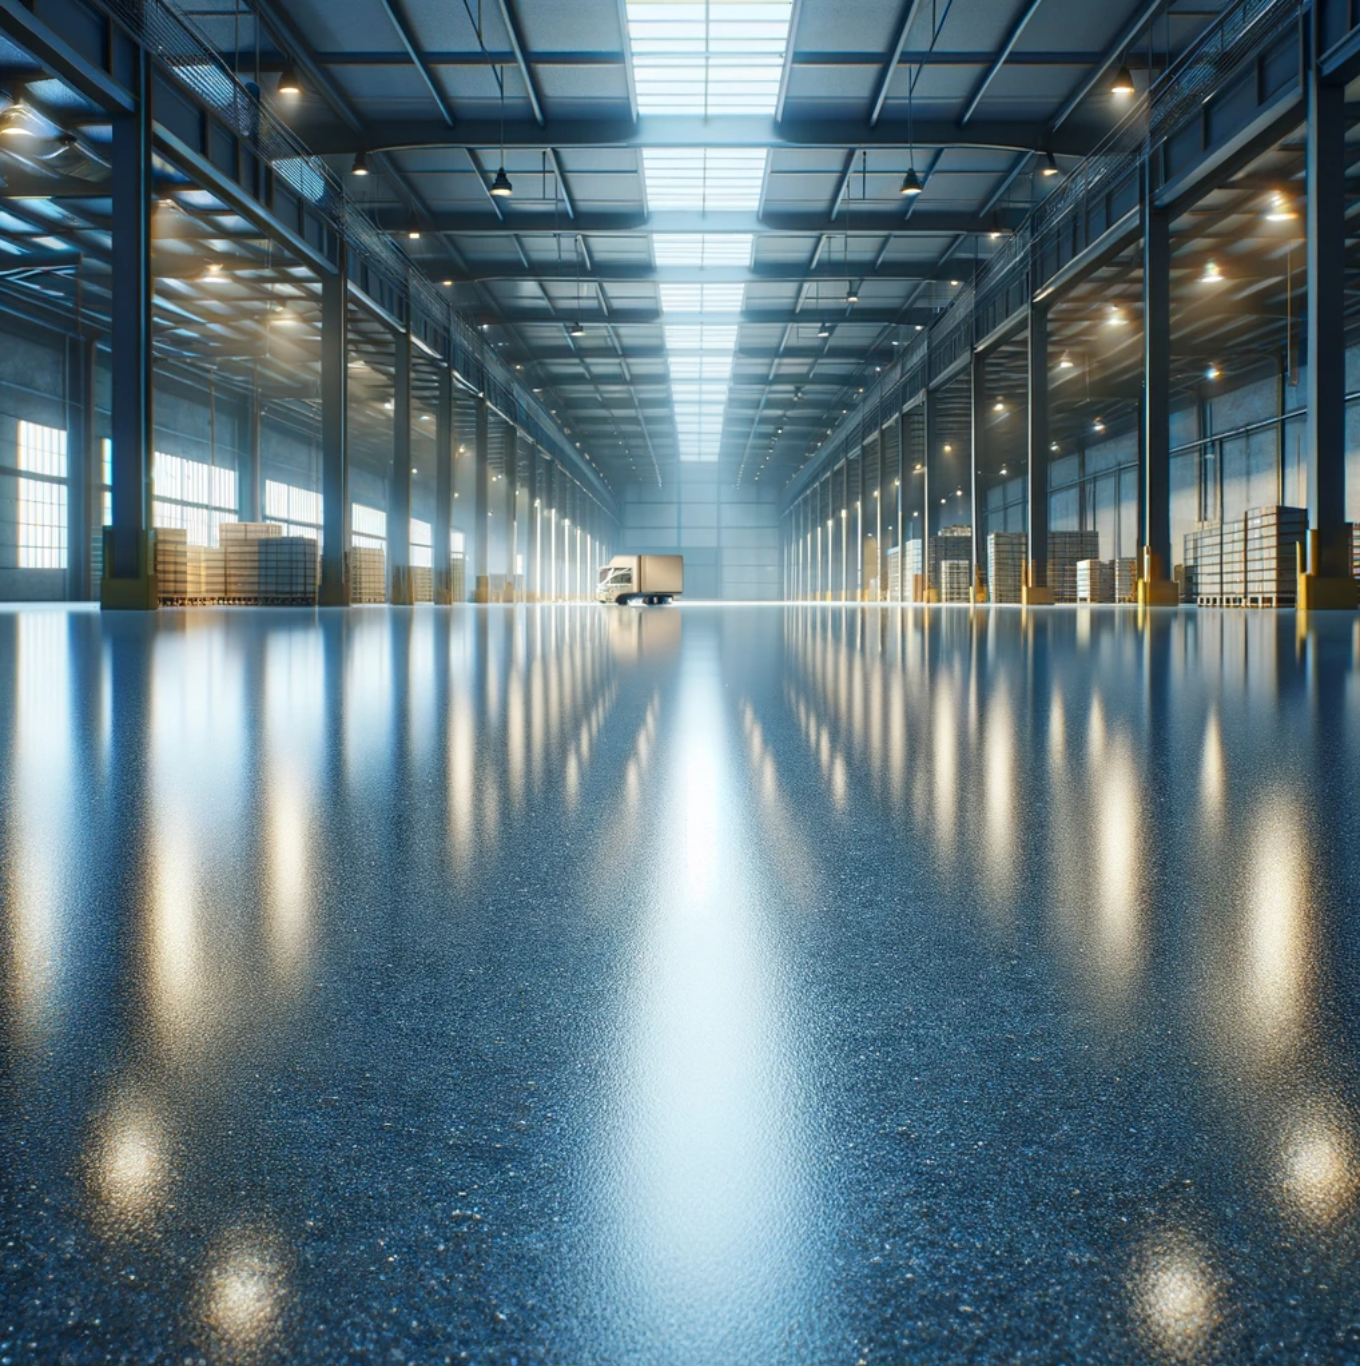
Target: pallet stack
(1125, 580)
(1204, 556)
(458, 578)
(956, 580)
(1066, 549)
(422, 583)
(240, 543)
(1234, 590)
(950, 543)
(172, 564)
(1005, 565)
(1095, 581)
(367, 574)
(1272, 566)
(287, 570)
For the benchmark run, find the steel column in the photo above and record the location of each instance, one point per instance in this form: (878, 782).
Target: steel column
(1326, 237)
(977, 379)
(1154, 486)
(399, 500)
(1036, 484)
(442, 530)
(129, 553)
(250, 485)
(335, 510)
(481, 503)
(534, 538)
(512, 512)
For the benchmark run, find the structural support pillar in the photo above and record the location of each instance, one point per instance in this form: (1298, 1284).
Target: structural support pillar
(400, 591)
(481, 502)
(442, 529)
(81, 456)
(1035, 590)
(902, 420)
(335, 513)
(512, 514)
(129, 546)
(1326, 581)
(977, 376)
(250, 485)
(534, 532)
(929, 516)
(1155, 589)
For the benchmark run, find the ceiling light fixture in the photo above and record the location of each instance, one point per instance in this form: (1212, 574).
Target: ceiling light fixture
(1213, 372)
(1050, 166)
(911, 182)
(359, 166)
(823, 331)
(1065, 361)
(501, 186)
(576, 330)
(1123, 81)
(289, 82)
(1281, 209)
(851, 295)
(1211, 275)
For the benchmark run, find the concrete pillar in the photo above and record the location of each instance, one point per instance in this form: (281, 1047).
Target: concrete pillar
(129, 555)
(335, 510)
(442, 527)
(400, 589)
(1036, 589)
(534, 538)
(902, 477)
(250, 476)
(481, 503)
(1328, 581)
(82, 466)
(977, 379)
(930, 514)
(512, 512)
(1154, 486)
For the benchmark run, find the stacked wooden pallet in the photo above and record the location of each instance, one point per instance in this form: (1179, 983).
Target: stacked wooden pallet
(1095, 581)
(951, 543)
(172, 564)
(422, 583)
(1234, 588)
(288, 570)
(1272, 533)
(956, 580)
(1125, 580)
(1066, 549)
(240, 542)
(1005, 565)
(458, 578)
(367, 574)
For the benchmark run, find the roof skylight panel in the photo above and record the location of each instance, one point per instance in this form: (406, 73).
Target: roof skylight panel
(711, 337)
(704, 178)
(702, 248)
(708, 56)
(701, 298)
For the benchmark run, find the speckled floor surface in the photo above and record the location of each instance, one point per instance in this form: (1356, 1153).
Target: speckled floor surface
(699, 986)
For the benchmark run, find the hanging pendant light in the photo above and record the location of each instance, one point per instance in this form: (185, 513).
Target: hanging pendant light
(501, 186)
(359, 166)
(576, 330)
(911, 182)
(1123, 81)
(289, 82)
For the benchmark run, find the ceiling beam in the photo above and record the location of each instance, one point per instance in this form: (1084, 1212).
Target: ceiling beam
(413, 47)
(1007, 47)
(778, 272)
(511, 22)
(787, 67)
(687, 130)
(910, 9)
(1144, 16)
(868, 222)
(832, 311)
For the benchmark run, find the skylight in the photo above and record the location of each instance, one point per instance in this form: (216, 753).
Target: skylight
(704, 179)
(708, 56)
(701, 298)
(700, 357)
(702, 248)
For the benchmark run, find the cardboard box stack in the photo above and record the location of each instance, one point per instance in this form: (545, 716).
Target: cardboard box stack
(367, 574)
(956, 580)
(1272, 565)
(951, 543)
(1005, 565)
(1066, 549)
(1095, 580)
(1125, 580)
(240, 543)
(422, 583)
(288, 568)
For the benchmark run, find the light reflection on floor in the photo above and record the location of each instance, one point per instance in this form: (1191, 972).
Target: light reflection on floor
(679, 986)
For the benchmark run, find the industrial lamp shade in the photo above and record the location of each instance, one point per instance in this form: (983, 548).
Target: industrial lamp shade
(911, 182)
(501, 186)
(576, 330)
(1123, 82)
(359, 166)
(289, 82)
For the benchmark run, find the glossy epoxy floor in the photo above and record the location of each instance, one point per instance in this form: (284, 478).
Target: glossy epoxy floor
(696, 986)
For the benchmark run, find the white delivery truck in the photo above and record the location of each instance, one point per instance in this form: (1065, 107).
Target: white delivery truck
(642, 578)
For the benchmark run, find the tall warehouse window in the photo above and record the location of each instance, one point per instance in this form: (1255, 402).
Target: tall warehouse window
(422, 544)
(368, 526)
(299, 510)
(193, 495)
(42, 496)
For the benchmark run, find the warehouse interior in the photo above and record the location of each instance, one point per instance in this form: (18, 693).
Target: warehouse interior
(925, 938)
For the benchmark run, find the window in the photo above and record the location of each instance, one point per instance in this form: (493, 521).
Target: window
(106, 465)
(704, 178)
(42, 496)
(702, 248)
(456, 542)
(297, 509)
(422, 544)
(193, 495)
(368, 526)
(701, 298)
(708, 56)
